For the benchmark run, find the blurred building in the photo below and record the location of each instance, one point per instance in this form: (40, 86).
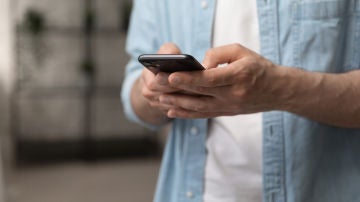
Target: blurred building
(6, 78)
(63, 78)
(61, 69)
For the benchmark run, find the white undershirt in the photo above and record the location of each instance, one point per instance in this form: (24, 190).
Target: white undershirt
(233, 170)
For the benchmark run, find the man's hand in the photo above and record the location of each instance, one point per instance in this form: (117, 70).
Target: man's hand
(147, 90)
(248, 84)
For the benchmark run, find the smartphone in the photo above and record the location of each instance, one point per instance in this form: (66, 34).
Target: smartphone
(170, 62)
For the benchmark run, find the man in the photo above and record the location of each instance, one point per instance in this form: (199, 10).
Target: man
(311, 114)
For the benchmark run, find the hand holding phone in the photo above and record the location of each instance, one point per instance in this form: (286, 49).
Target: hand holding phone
(170, 62)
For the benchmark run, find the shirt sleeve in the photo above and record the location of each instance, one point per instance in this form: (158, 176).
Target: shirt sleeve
(142, 38)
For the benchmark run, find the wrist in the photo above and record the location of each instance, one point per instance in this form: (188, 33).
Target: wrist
(286, 87)
(297, 88)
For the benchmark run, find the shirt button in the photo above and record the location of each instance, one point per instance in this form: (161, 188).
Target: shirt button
(189, 194)
(204, 4)
(194, 130)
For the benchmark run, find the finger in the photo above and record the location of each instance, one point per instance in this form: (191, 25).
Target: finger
(153, 100)
(208, 78)
(192, 103)
(169, 48)
(162, 78)
(203, 91)
(224, 54)
(161, 82)
(161, 106)
(206, 82)
(158, 83)
(147, 76)
(188, 114)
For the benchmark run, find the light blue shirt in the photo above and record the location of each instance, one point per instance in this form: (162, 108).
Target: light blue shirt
(302, 160)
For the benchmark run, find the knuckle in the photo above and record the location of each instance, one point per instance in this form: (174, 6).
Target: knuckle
(200, 107)
(242, 95)
(151, 86)
(146, 93)
(250, 61)
(236, 46)
(210, 53)
(237, 91)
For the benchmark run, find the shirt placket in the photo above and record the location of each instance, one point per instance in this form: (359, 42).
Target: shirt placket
(273, 133)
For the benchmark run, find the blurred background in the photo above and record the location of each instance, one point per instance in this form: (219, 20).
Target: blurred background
(63, 135)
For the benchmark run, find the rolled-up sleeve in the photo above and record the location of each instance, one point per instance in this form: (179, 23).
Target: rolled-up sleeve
(142, 38)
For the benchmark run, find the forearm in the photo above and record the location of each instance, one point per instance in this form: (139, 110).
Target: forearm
(143, 109)
(332, 99)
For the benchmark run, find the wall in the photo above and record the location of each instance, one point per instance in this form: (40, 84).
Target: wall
(51, 100)
(6, 75)
(54, 105)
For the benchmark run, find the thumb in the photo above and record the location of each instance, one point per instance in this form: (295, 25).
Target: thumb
(224, 55)
(169, 48)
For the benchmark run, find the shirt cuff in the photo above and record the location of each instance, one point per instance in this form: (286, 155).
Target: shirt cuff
(126, 100)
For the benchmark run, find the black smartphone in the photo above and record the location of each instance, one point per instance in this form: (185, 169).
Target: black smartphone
(170, 62)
